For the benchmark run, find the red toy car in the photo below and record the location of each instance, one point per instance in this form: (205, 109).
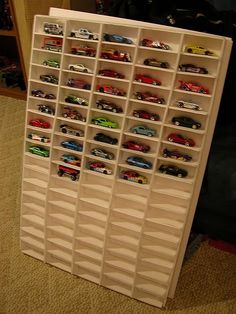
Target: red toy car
(147, 79)
(136, 146)
(193, 87)
(154, 44)
(78, 84)
(147, 96)
(71, 113)
(111, 73)
(143, 114)
(116, 55)
(65, 171)
(39, 123)
(99, 167)
(180, 139)
(108, 89)
(133, 176)
(84, 51)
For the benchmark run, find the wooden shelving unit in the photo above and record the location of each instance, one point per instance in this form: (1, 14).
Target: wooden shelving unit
(13, 48)
(126, 236)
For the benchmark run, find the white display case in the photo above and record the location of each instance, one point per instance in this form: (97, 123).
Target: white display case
(127, 236)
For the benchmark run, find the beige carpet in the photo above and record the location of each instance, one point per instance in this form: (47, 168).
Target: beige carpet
(207, 282)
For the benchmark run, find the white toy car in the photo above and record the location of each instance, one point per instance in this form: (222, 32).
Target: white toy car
(79, 68)
(188, 105)
(84, 33)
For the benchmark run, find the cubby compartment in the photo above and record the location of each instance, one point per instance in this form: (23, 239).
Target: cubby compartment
(110, 175)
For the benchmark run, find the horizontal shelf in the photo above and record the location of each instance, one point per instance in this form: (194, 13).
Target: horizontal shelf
(90, 254)
(63, 205)
(91, 241)
(96, 187)
(119, 277)
(34, 219)
(60, 242)
(127, 267)
(35, 181)
(36, 167)
(125, 239)
(35, 208)
(92, 228)
(167, 265)
(162, 250)
(95, 201)
(130, 212)
(152, 289)
(35, 194)
(153, 275)
(167, 222)
(123, 252)
(33, 231)
(127, 225)
(132, 197)
(163, 236)
(64, 191)
(170, 208)
(61, 230)
(32, 242)
(65, 257)
(174, 193)
(63, 218)
(94, 215)
(94, 268)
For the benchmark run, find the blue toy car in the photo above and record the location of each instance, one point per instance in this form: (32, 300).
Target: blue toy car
(117, 38)
(72, 145)
(139, 162)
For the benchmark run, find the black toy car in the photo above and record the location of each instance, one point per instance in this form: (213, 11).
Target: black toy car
(187, 122)
(192, 68)
(46, 109)
(108, 105)
(101, 137)
(173, 170)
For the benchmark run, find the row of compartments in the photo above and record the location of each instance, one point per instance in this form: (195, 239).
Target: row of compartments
(132, 36)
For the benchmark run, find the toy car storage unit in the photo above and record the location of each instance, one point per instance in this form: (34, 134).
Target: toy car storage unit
(121, 234)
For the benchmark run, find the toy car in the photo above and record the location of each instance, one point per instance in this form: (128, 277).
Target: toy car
(39, 151)
(78, 84)
(188, 105)
(180, 139)
(173, 170)
(51, 63)
(108, 105)
(99, 167)
(155, 63)
(79, 67)
(49, 78)
(52, 44)
(175, 154)
(133, 176)
(71, 159)
(39, 93)
(72, 145)
(84, 51)
(39, 123)
(46, 109)
(191, 48)
(102, 153)
(74, 114)
(108, 89)
(116, 55)
(133, 145)
(186, 121)
(101, 137)
(65, 171)
(110, 73)
(64, 128)
(139, 162)
(117, 38)
(143, 114)
(84, 33)
(193, 87)
(147, 96)
(39, 138)
(105, 122)
(188, 67)
(143, 130)
(53, 28)
(147, 79)
(154, 44)
(72, 99)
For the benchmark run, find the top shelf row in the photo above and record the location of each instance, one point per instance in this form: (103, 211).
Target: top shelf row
(131, 36)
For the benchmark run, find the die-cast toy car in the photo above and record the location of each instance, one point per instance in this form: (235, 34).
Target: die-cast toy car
(176, 154)
(104, 104)
(99, 152)
(39, 151)
(51, 63)
(83, 50)
(105, 122)
(72, 145)
(147, 96)
(69, 172)
(146, 79)
(186, 121)
(39, 93)
(72, 99)
(143, 130)
(39, 123)
(46, 109)
(180, 139)
(53, 28)
(188, 105)
(133, 145)
(117, 38)
(193, 87)
(139, 162)
(99, 166)
(188, 67)
(84, 33)
(110, 73)
(39, 138)
(191, 48)
(155, 63)
(49, 78)
(154, 44)
(173, 170)
(143, 114)
(101, 137)
(66, 129)
(72, 113)
(116, 55)
(82, 84)
(133, 176)
(71, 159)
(108, 89)
(79, 67)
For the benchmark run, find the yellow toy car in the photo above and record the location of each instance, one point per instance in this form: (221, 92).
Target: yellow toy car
(191, 48)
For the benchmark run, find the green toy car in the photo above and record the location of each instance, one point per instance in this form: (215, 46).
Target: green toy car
(51, 63)
(39, 151)
(105, 122)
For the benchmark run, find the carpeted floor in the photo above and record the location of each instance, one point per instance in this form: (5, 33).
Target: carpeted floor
(207, 282)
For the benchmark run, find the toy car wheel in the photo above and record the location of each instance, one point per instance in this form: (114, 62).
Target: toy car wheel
(99, 106)
(170, 139)
(165, 155)
(114, 110)
(179, 175)
(189, 50)
(187, 143)
(96, 122)
(30, 136)
(207, 53)
(139, 97)
(125, 178)
(72, 68)
(134, 131)
(110, 157)
(180, 104)
(73, 178)
(149, 134)
(64, 130)
(177, 123)
(101, 90)
(140, 181)
(140, 80)
(105, 171)
(85, 70)
(60, 173)
(194, 126)
(152, 118)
